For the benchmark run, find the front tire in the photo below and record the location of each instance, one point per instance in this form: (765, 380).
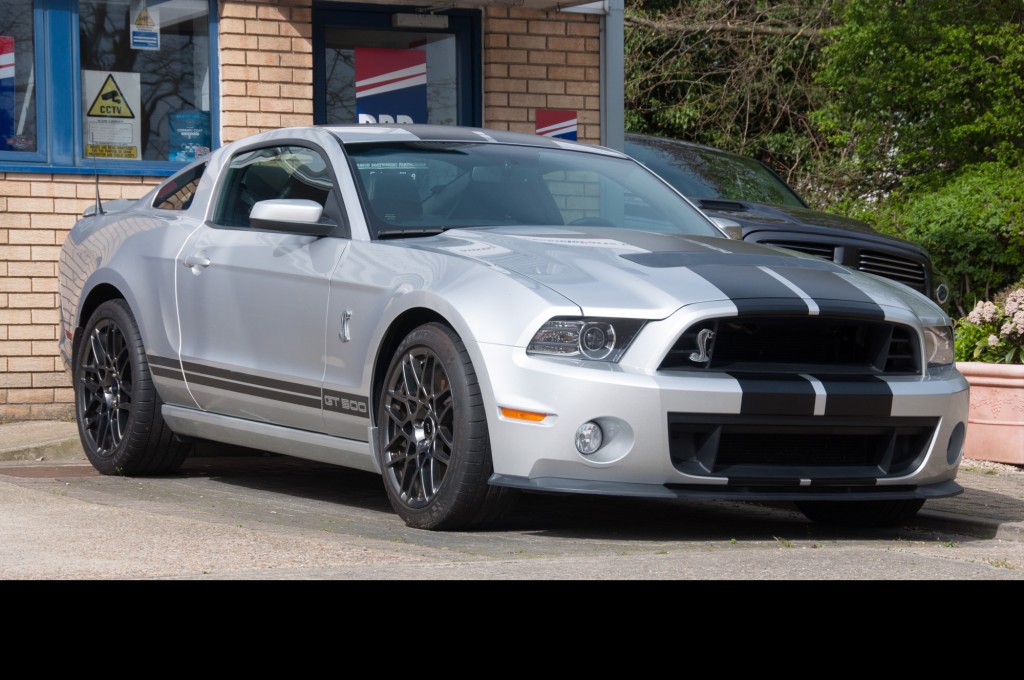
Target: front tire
(435, 452)
(860, 513)
(116, 404)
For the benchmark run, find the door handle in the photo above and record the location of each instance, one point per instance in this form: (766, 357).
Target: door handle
(193, 261)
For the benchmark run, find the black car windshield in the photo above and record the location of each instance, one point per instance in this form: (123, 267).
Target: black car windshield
(700, 173)
(419, 188)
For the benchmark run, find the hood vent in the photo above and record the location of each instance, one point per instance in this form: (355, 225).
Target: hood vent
(822, 250)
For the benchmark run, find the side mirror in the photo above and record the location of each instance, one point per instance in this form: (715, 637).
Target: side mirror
(294, 215)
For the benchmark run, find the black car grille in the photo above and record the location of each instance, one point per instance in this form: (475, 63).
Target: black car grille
(783, 450)
(791, 343)
(894, 267)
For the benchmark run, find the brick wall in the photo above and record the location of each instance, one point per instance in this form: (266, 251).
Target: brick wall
(36, 212)
(266, 66)
(541, 60)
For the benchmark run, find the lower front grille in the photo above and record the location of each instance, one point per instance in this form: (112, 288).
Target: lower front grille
(781, 449)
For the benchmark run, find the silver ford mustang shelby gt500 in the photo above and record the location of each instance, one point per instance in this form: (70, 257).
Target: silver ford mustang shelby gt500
(473, 313)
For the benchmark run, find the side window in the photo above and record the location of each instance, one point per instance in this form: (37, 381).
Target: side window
(269, 173)
(177, 192)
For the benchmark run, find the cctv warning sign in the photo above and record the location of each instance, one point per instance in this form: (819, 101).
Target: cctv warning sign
(110, 100)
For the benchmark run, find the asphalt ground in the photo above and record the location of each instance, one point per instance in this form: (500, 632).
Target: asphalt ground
(992, 505)
(232, 514)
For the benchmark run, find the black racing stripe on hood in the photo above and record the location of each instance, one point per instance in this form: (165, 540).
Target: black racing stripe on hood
(834, 294)
(856, 396)
(752, 290)
(775, 395)
(699, 255)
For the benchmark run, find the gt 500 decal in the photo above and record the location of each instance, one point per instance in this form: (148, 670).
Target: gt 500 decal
(346, 403)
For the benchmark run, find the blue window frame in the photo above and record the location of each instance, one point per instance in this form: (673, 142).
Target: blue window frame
(52, 80)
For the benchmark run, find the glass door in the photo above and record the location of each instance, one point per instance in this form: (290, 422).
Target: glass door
(392, 64)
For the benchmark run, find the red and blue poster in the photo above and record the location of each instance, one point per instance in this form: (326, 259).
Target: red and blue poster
(6, 92)
(391, 85)
(560, 124)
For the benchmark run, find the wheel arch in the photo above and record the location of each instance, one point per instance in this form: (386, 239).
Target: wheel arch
(99, 294)
(401, 326)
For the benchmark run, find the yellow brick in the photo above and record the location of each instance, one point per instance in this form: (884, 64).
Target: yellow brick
(547, 57)
(229, 25)
(506, 25)
(45, 348)
(52, 189)
(509, 56)
(547, 86)
(31, 237)
(30, 205)
(31, 300)
(257, 27)
(43, 253)
(32, 332)
(49, 380)
(32, 269)
(530, 71)
(15, 412)
(233, 57)
(15, 253)
(52, 222)
(272, 44)
(296, 119)
(245, 10)
(240, 103)
(271, 13)
(15, 285)
(14, 351)
(547, 28)
(264, 120)
(237, 41)
(297, 60)
(15, 188)
(8, 379)
(30, 396)
(45, 316)
(44, 285)
(269, 74)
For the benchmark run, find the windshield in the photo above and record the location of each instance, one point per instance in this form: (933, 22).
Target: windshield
(705, 173)
(427, 187)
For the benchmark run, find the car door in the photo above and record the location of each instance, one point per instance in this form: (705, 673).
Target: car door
(252, 302)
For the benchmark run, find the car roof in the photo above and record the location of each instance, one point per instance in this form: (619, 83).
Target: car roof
(356, 134)
(654, 141)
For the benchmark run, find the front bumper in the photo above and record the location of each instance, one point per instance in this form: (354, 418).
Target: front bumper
(694, 435)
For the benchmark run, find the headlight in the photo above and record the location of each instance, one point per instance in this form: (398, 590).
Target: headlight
(938, 345)
(593, 339)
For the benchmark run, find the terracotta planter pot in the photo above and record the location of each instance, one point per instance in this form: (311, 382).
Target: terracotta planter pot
(995, 420)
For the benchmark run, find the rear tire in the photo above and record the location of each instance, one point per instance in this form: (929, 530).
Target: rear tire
(435, 452)
(116, 404)
(860, 513)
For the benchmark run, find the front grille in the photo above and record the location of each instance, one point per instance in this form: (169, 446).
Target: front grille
(812, 344)
(902, 269)
(822, 250)
(791, 448)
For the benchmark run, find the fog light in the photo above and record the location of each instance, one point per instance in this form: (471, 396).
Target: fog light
(589, 438)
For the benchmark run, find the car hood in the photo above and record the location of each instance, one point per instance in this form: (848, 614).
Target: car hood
(626, 273)
(760, 216)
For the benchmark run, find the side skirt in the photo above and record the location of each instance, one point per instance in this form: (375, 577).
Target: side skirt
(274, 438)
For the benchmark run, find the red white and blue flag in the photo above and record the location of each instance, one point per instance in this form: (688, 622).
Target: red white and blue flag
(6, 91)
(391, 85)
(560, 124)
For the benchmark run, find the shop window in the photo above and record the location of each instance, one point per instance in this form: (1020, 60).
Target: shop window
(126, 86)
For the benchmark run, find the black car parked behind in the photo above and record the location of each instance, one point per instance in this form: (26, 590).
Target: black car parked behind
(753, 203)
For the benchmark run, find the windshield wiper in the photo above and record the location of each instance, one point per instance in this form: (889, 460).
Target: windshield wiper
(400, 233)
(420, 231)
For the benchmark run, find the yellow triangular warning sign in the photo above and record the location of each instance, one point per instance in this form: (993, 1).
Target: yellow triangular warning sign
(110, 103)
(144, 20)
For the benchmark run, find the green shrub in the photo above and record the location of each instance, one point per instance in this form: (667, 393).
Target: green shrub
(973, 227)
